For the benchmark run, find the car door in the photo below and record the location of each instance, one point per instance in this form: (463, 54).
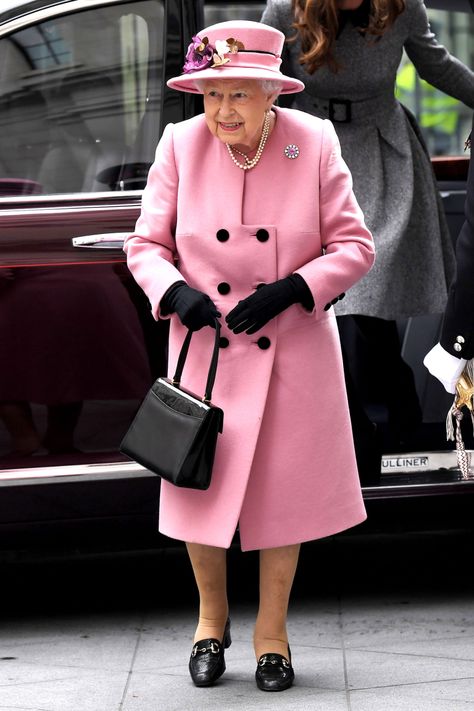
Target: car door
(83, 101)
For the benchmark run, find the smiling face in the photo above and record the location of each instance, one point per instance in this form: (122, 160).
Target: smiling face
(235, 111)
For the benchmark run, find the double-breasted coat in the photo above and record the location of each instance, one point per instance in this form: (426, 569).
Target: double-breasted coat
(382, 145)
(285, 469)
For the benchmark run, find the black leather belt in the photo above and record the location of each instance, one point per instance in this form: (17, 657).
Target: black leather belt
(346, 110)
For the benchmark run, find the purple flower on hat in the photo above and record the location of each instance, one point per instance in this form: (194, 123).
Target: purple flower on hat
(199, 55)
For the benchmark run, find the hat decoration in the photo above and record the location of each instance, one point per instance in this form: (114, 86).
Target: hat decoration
(201, 54)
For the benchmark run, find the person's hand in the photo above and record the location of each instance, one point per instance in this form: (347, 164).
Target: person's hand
(193, 308)
(269, 300)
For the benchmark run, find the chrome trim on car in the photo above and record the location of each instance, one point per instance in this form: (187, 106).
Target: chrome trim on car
(446, 193)
(46, 13)
(420, 474)
(66, 210)
(433, 485)
(73, 473)
(108, 240)
(134, 195)
(399, 491)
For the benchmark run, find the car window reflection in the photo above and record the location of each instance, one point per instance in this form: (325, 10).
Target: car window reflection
(81, 352)
(80, 101)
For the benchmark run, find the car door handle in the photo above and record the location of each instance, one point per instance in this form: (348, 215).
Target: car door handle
(110, 240)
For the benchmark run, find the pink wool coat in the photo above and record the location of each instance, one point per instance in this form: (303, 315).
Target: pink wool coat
(285, 469)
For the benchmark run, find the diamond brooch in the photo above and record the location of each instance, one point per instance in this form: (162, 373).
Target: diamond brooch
(292, 151)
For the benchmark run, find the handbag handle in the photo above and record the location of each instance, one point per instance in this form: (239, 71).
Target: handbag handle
(211, 376)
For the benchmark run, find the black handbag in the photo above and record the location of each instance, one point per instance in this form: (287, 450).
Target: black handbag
(174, 433)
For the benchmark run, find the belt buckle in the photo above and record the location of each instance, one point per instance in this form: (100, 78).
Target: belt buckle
(348, 110)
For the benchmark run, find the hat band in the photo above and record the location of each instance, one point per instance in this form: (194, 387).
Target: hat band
(248, 59)
(259, 51)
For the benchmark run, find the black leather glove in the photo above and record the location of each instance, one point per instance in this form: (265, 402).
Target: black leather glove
(193, 308)
(269, 300)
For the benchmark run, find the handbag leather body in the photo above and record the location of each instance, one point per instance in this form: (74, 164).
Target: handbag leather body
(174, 433)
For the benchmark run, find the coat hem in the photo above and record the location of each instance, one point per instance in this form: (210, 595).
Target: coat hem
(320, 533)
(317, 535)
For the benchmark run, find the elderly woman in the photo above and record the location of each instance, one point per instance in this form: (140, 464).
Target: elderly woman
(249, 214)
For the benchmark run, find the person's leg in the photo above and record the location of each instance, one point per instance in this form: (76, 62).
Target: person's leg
(210, 572)
(394, 377)
(212, 636)
(367, 439)
(277, 572)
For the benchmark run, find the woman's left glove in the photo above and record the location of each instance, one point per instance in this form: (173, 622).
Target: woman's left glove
(269, 300)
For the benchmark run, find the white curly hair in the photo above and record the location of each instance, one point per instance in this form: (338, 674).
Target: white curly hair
(269, 86)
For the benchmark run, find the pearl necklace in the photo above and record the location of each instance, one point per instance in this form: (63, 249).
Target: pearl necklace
(263, 139)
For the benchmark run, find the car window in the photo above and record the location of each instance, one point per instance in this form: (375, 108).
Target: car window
(445, 122)
(80, 100)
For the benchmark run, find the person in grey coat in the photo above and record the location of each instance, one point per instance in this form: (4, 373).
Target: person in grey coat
(347, 53)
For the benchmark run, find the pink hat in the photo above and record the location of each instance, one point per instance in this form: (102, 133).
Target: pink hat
(235, 50)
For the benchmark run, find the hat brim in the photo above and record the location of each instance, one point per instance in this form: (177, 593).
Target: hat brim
(185, 82)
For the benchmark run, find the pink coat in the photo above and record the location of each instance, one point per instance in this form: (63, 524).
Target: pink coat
(285, 469)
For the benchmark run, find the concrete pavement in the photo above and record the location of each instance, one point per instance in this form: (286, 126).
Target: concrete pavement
(378, 625)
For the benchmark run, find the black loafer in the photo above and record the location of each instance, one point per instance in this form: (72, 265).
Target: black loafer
(207, 661)
(274, 672)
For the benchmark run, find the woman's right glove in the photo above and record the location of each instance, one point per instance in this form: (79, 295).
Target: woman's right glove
(255, 311)
(194, 309)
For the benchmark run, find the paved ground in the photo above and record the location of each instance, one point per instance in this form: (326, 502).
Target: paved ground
(379, 624)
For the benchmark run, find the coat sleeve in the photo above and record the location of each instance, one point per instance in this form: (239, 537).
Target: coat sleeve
(444, 367)
(458, 324)
(433, 61)
(347, 243)
(150, 249)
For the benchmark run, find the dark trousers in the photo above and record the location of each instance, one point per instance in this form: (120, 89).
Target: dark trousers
(376, 375)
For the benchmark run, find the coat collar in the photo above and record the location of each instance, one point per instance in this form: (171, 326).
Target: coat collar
(283, 134)
(358, 18)
(289, 130)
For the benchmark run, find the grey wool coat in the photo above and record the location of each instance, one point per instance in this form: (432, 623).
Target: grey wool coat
(382, 145)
